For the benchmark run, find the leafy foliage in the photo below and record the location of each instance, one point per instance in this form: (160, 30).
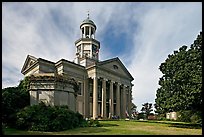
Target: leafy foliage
(47, 118)
(190, 116)
(181, 82)
(14, 99)
(133, 107)
(94, 123)
(147, 109)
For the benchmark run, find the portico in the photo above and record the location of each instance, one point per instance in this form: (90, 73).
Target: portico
(111, 97)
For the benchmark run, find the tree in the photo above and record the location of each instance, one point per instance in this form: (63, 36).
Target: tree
(147, 109)
(14, 99)
(181, 83)
(133, 107)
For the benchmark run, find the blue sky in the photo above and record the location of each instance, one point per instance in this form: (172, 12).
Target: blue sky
(141, 34)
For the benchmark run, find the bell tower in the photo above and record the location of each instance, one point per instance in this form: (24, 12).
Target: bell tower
(87, 47)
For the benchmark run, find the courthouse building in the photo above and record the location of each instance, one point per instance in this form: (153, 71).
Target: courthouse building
(104, 87)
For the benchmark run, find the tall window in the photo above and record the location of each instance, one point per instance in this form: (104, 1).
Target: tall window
(91, 87)
(79, 91)
(99, 90)
(79, 48)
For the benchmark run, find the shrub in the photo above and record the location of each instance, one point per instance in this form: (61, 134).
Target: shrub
(196, 118)
(190, 116)
(94, 123)
(14, 99)
(47, 118)
(141, 116)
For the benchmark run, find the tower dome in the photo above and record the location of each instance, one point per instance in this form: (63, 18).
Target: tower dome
(88, 22)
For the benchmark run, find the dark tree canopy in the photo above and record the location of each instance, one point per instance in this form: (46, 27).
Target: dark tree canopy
(14, 99)
(133, 107)
(181, 83)
(147, 109)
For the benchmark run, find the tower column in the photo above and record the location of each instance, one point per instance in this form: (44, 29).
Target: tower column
(84, 31)
(103, 107)
(89, 32)
(118, 100)
(95, 97)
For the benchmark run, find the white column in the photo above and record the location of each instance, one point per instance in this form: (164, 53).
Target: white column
(124, 102)
(94, 33)
(85, 32)
(118, 100)
(103, 107)
(86, 97)
(111, 100)
(89, 31)
(95, 98)
(84, 35)
(129, 100)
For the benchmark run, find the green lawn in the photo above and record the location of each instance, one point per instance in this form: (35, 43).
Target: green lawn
(124, 128)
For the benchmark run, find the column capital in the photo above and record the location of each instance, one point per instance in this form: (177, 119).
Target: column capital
(126, 86)
(111, 81)
(94, 77)
(123, 85)
(105, 79)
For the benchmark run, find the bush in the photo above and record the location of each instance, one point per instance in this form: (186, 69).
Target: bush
(46, 118)
(14, 99)
(184, 116)
(196, 118)
(190, 116)
(141, 116)
(94, 123)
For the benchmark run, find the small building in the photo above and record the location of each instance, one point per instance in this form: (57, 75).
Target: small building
(104, 87)
(171, 116)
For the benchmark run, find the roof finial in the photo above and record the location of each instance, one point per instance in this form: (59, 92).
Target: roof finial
(88, 14)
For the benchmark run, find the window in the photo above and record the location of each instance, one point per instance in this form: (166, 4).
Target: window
(94, 48)
(31, 63)
(86, 53)
(79, 48)
(115, 66)
(79, 91)
(91, 87)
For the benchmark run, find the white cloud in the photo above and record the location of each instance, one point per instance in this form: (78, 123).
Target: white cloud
(49, 30)
(163, 29)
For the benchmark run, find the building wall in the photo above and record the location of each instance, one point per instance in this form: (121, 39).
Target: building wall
(171, 115)
(52, 93)
(60, 94)
(34, 70)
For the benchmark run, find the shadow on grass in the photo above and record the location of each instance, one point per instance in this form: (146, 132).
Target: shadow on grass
(176, 124)
(182, 125)
(99, 129)
(95, 130)
(108, 125)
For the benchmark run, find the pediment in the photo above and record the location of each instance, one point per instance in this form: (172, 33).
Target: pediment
(115, 65)
(30, 60)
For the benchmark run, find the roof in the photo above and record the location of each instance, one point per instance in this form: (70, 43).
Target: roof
(117, 60)
(88, 21)
(69, 62)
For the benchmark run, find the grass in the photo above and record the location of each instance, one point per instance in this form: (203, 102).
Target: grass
(123, 127)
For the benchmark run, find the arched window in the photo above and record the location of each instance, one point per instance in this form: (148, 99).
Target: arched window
(115, 66)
